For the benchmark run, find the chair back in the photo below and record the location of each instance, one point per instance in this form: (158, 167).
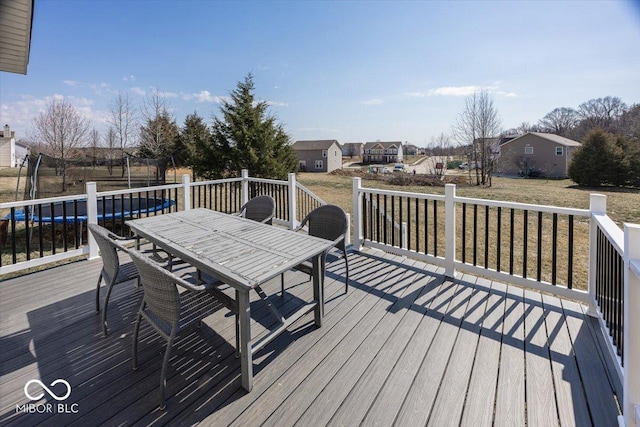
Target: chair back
(260, 209)
(108, 251)
(327, 222)
(160, 291)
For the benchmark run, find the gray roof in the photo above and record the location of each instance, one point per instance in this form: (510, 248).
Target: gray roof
(384, 144)
(323, 144)
(550, 137)
(16, 17)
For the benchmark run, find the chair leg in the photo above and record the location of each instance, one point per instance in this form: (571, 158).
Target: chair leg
(163, 373)
(104, 310)
(98, 294)
(346, 263)
(136, 332)
(237, 336)
(282, 285)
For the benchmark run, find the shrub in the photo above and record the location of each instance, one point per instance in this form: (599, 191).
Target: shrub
(599, 161)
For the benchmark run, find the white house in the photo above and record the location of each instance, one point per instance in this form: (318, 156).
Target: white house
(11, 152)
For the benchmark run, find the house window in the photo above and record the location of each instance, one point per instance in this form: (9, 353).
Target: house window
(528, 150)
(324, 153)
(558, 151)
(319, 164)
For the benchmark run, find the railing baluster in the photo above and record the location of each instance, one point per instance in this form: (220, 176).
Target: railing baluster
(511, 238)
(64, 227)
(426, 226)
(53, 231)
(539, 264)
(417, 225)
(486, 236)
(475, 234)
(40, 232)
(75, 225)
(393, 219)
(464, 232)
(554, 249)
(525, 238)
(435, 228)
(570, 254)
(499, 238)
(384, 218)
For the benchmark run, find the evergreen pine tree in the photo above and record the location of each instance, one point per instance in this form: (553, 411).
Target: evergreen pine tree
(247, 137)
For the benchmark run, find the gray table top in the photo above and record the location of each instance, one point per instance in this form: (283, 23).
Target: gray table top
(238, 251)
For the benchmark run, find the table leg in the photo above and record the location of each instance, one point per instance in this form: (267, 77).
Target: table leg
(246, 358)
(318, 276)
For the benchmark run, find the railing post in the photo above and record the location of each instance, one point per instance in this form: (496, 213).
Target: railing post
(597, 206)
(293, 208)
(403, 236)
(357, 214)
(631, 322)
(92, 217)
(450, 230)
(245, 185)
(186, 191)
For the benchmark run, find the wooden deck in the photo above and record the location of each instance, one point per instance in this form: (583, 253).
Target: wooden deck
(404, 347)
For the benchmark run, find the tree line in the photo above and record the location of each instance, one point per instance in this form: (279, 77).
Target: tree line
(607, 127)
(244, 136)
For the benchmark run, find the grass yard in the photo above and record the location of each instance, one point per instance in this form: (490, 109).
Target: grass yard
(623, 205)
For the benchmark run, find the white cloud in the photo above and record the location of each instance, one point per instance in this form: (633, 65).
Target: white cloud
(20, 114)
(372, 102)
(461, 91)
(507, 94)
(138, 91)
(130, 78)
(97, 88)
(277, 103)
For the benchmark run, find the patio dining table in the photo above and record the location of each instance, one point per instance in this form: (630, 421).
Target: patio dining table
(243, 254)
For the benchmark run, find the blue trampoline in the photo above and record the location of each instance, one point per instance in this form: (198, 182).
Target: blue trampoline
(68, 212)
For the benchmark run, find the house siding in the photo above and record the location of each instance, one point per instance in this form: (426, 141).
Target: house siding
(331, 162)
(380, 152)
(543, 159)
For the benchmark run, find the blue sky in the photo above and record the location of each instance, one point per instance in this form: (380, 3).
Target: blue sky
(351, 71)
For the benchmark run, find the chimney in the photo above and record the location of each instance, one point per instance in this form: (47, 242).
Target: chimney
(7, 131)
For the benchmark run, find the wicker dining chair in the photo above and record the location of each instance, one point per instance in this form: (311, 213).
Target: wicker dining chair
(169, 311)
(113, 272)
(261, 209)
(327, 222)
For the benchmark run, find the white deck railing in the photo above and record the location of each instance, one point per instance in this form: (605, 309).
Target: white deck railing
(62, 238)
(612, 252)
(612, 288)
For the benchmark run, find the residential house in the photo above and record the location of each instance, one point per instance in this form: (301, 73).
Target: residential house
(11, 152)
(318, 156)
(353, 149)
(383, 152)
(542, 154)
(411, 150)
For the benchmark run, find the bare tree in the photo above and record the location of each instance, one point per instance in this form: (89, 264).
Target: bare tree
(123, 122)
(111, 143)
(60, 129)
(158, 132)
(560, 121)
(438, 147)
(602, 112)
(94, 145)
(478, 126)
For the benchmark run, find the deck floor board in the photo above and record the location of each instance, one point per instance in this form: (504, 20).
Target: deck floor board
(405, 346)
